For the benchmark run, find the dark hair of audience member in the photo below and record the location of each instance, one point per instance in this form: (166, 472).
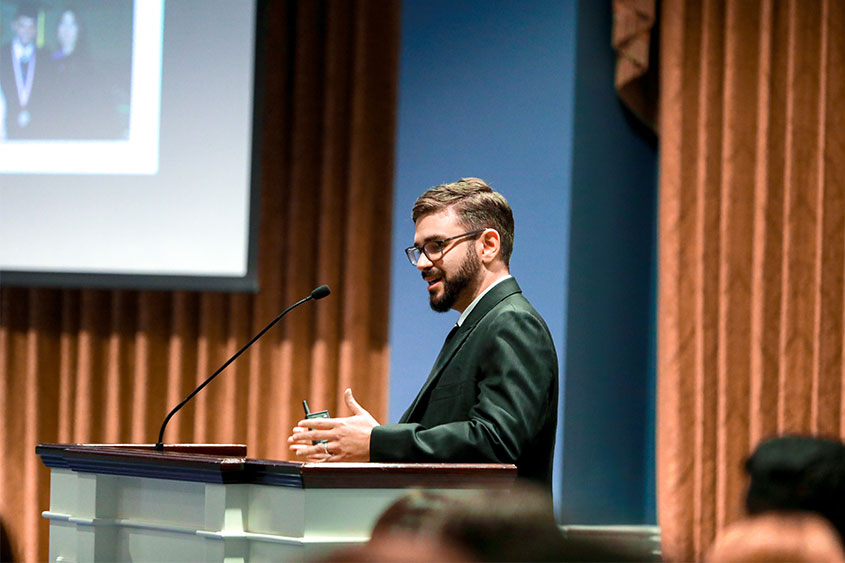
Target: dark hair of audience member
(493, 525)
(504, 526)
(801, 473)
(5, 544)
(414, 513)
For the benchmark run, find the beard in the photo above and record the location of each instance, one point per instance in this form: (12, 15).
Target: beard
(456, 284)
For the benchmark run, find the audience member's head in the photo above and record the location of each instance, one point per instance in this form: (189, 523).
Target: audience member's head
(6, 550)
(487, 526)
(493, 525)
(777, 537)
(401, 548)
(415, 513)
(504, 526)
(799, 473)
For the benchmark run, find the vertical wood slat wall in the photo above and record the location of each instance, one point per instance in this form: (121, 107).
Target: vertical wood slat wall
(106, 366)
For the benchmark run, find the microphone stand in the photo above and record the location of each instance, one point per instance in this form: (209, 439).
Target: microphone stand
(318, 293)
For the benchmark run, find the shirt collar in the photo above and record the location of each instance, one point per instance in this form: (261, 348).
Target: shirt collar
(475, 301)
(20, 51)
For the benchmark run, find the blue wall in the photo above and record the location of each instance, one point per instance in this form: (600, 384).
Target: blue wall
(608, 470)
(487, 89)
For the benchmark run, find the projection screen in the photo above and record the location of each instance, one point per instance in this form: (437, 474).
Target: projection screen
(128, 153)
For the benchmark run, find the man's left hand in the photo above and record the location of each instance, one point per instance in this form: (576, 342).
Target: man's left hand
(348, 438)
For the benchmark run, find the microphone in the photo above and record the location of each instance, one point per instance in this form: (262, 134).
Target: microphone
(320, 292)
(317, 293)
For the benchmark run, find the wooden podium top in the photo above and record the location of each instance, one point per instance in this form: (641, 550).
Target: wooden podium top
(227, 463)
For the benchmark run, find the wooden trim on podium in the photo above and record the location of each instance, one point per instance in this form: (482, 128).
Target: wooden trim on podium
(227, 463)
(209, 463)
(404, 475)
(54, 451)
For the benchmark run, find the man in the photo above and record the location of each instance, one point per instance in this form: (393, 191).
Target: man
(491, 396)
(21, 63)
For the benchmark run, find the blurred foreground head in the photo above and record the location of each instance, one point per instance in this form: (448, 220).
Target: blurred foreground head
(494, 525)
(401, 548)
(777, 537)
(798, 473)
(516, 525)
(416, 513)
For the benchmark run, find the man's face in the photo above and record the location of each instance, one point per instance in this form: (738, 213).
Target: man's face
(24, 28)
(452, 278)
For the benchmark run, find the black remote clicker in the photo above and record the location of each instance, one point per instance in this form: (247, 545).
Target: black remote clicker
(318, 414)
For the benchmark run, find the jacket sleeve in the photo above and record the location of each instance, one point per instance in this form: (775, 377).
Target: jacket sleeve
(514, 372)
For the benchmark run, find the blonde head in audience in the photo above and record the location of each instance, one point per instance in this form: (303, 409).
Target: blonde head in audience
(778, 537)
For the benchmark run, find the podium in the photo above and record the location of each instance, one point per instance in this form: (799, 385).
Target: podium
(209, 502)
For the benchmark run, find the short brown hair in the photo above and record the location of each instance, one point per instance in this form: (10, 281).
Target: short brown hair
(477, 207)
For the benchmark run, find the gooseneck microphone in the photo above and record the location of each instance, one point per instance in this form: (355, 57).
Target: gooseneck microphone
(317, 293)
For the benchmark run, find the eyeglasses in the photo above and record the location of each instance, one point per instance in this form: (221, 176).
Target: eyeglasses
(433, 249)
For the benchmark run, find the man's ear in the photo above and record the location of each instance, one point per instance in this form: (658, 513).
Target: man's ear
(491, 244)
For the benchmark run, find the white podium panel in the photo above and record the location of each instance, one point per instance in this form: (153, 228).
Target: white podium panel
(130, 503)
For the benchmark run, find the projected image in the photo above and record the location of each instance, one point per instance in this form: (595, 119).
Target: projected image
(67, 77)
(80, 86)
(162, 189)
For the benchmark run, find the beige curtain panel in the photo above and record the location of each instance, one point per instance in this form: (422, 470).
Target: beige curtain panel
(106, 366)
(752, 246)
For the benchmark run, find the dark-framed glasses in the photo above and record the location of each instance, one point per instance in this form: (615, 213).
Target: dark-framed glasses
(433, 249)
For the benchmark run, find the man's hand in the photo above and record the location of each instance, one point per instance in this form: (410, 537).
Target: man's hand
(348, 437)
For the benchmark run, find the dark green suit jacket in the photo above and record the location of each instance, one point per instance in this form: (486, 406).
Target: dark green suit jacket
(491, 396)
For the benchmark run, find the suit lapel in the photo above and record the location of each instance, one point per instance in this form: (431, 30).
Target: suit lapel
(453, 344)
(446, 352)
